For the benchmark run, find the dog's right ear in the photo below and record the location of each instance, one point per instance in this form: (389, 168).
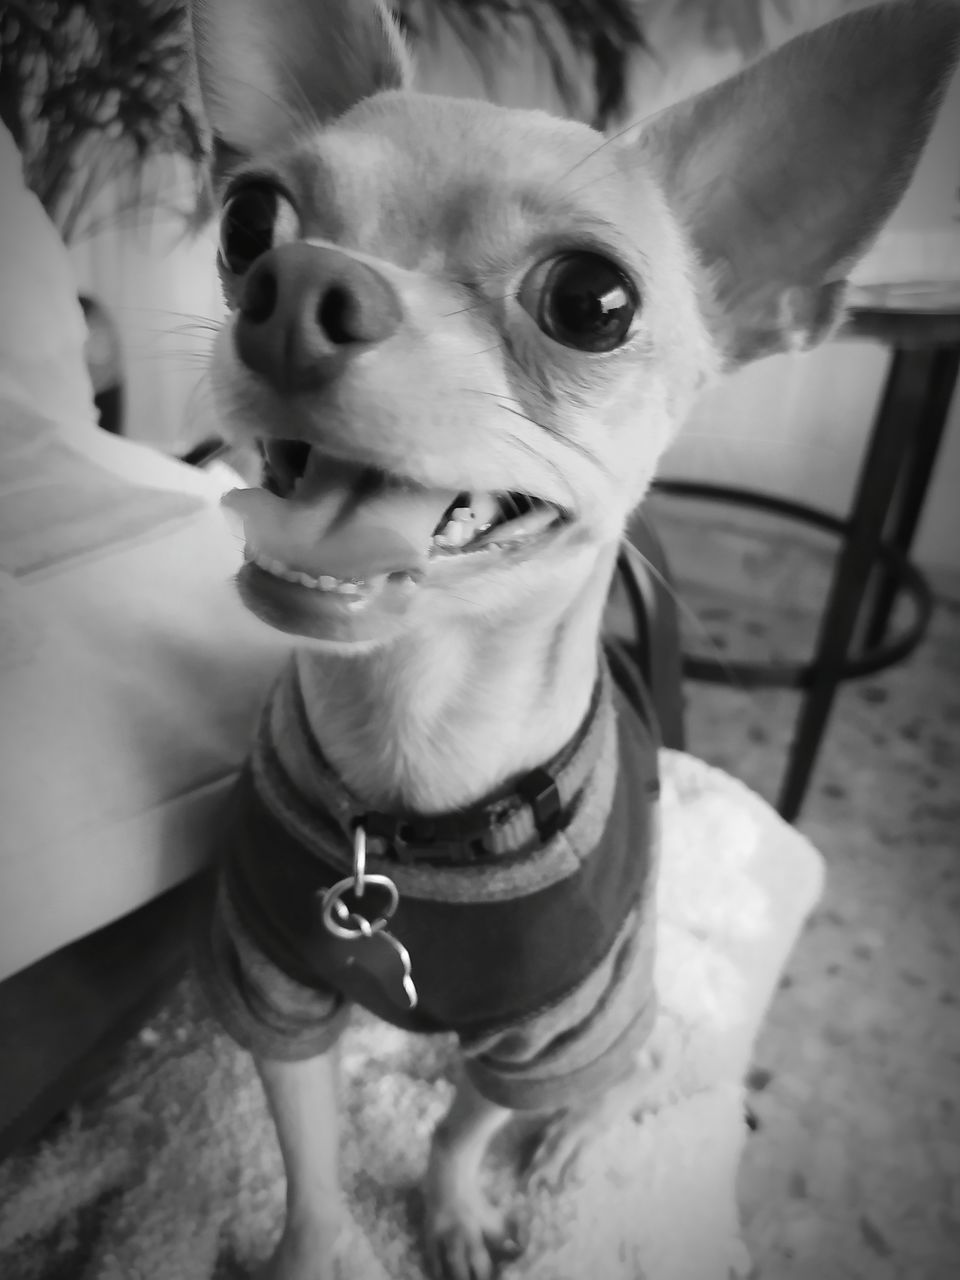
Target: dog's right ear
(784, 174)
(269, 68)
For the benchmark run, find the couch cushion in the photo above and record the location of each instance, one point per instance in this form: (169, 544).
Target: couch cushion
(130, 677)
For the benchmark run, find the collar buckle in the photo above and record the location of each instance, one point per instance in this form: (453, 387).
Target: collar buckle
(410, 839)
(539, 789)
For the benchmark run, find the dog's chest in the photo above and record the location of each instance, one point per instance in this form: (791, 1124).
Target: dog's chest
(491, 936)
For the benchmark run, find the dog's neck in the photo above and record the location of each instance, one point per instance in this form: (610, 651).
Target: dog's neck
(440, 720)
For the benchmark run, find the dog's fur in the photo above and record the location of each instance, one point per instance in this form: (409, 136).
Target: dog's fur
(736, 215)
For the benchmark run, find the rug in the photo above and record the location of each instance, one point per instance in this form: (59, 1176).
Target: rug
(170, 1170)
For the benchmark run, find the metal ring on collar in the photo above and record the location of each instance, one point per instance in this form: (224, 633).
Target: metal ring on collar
(333, 900)
(359, 857)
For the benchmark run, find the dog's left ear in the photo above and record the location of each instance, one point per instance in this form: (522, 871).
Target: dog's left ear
(785, 173)
(269, 68)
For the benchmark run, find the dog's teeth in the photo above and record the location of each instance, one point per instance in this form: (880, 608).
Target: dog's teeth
(455, 533)
(325, 582)
(485, 509)
(459, 529)
(473, 515)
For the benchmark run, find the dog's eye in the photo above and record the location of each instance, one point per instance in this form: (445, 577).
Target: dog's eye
(255, 218)
(581, 300)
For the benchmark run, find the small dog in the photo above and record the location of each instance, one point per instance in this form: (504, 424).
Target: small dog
(462, 336)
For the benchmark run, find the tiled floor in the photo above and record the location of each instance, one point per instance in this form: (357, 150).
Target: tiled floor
(854, 1170)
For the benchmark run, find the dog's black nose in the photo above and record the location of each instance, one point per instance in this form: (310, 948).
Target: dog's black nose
(306, 310)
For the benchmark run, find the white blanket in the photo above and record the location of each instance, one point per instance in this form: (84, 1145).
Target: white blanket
(181, 1159)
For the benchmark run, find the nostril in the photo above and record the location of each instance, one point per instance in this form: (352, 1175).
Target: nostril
(303, 311)
(259, 296)
(335, 315)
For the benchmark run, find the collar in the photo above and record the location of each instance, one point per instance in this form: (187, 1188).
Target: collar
(540, 804)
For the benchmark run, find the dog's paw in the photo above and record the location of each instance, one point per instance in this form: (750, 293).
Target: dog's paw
(555, 1159)
(302, 1256)
(468, 1239)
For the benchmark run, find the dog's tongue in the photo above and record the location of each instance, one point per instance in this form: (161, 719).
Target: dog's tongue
(343, 520)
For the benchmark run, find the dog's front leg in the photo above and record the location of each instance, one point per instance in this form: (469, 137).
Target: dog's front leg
(303, 1101)
(466, 1235)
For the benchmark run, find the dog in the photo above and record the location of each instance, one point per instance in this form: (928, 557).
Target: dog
(461, 337)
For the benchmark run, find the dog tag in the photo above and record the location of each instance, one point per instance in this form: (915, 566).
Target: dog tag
(378, 952)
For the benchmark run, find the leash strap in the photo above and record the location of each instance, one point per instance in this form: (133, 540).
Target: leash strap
(644, 577)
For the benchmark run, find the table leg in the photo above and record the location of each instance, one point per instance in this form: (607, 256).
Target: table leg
(903, 400)
(914, 484)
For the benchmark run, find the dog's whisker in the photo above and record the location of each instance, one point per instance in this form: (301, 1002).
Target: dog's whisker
(608, 140)
(590, 181)
(201, 350)
(462, 311)
(306, 112)
(495, 346)
(192, 328)
(246, 87)
(195, 317)
(691, 615)
(575, 445)
(200, 406)
(485, 301)
(494, 395)
(514, 405)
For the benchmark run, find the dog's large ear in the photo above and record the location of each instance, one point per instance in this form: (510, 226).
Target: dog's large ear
(784, 174)
(267, 68)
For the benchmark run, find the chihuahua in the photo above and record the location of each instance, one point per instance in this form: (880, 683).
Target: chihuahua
(461, 336)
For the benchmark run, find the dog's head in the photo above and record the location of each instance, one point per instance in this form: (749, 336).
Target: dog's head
(463, 335)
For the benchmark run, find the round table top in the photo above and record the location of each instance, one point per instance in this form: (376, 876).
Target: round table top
(916, 313)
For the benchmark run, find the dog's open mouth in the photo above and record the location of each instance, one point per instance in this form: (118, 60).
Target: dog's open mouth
(343, 527)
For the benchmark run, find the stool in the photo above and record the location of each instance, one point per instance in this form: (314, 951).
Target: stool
(920, 324)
